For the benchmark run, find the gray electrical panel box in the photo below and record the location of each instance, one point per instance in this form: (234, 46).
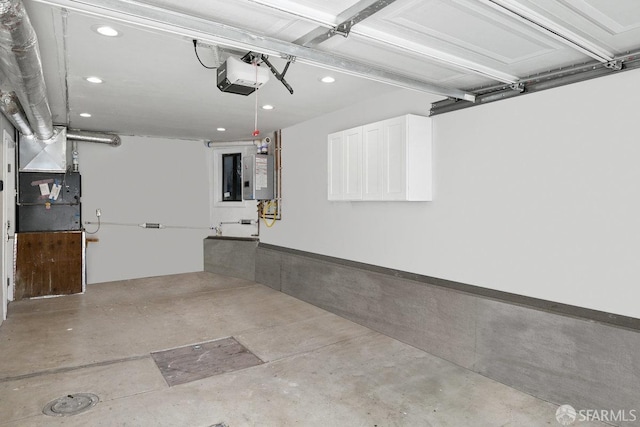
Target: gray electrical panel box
(257, 177)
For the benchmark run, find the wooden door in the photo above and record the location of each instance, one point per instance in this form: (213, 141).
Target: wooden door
(49, 263)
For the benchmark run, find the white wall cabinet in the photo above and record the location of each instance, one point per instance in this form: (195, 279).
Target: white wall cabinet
(372, 164)
(387, 160)
(336, 167)
(345, 160)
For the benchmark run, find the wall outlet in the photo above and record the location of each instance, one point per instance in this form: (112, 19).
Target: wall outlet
(98, 213)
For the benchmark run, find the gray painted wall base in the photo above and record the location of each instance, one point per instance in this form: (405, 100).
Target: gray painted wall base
(559, 357)
(235, 257)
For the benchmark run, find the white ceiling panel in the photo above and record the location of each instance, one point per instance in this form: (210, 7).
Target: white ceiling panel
(467, 25)
(612, 24)
(242, 14)
(412, 64)
(616, 16)
(471, 30)
(328, 8)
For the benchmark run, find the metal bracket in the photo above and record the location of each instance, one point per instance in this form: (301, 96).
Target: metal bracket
(344, 29)
(255, 58)
(614, 65)
(278, 75)
(357, 13)
(251, 57)
(518, 87)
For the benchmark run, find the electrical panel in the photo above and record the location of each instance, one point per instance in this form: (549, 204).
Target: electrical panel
(257, 177)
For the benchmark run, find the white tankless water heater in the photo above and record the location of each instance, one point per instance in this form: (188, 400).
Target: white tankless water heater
(257, 177)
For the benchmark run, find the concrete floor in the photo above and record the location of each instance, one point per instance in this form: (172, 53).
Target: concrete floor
(319, 370)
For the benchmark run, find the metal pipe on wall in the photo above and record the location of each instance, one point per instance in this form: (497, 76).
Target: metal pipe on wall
(75, 161)
(97, 137)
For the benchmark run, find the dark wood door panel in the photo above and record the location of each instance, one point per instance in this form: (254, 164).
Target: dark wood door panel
(49, 264)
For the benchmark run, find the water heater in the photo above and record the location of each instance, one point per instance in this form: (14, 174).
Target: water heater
(257, 177)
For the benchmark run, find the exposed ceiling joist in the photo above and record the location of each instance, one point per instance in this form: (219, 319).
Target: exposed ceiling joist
(153, 17)
(384, 39)
(558, 32)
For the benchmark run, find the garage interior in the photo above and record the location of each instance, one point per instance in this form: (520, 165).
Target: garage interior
(267, 212)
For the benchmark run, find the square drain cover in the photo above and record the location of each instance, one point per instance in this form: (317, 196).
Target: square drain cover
(196, 361)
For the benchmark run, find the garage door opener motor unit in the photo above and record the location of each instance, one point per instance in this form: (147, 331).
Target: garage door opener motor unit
(239, 77)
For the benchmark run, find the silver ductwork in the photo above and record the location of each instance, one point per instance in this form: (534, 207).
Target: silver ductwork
(42, 146)
(10, 106)
(102, 138)
(53, 155)
(35, 155)
(21, 63)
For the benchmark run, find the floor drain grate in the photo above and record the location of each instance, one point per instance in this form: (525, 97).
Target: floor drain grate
(70, 404)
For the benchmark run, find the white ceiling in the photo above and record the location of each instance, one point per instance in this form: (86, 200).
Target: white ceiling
(154, 84)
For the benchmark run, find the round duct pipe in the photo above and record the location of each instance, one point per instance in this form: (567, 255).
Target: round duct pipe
(97, 137)
(22, 66)
(10, 106)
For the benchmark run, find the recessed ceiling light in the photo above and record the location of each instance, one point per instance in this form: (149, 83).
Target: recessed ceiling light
(267, 107)
(94, 79)
(221, 129)
(327, 79)
(107, 31)
(85, 115)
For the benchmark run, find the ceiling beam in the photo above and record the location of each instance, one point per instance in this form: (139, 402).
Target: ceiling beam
(165, 20)
(529, 17)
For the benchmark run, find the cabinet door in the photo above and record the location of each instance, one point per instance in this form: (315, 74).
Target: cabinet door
(336, 166)
(352, 178)
(372, 154)
(394, 159)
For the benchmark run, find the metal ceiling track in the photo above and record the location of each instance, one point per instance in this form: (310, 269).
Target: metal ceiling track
(193, 27)
(540, 82)
(352, 16)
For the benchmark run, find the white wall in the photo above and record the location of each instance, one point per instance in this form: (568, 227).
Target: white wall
(145, 180)
(536, 196)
